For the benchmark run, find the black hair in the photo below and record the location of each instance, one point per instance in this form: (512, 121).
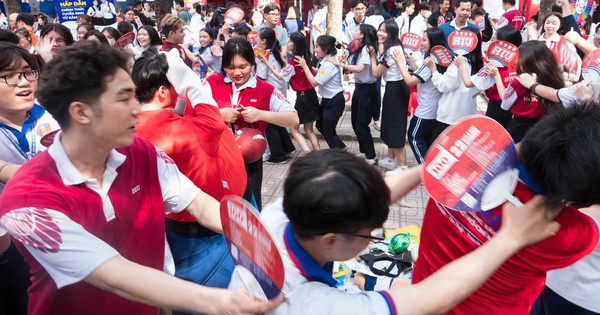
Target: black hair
(96, 33)
(462, 1)
(475, 57)
(124, 27)
(12, 54)
(300, 46)
(436, 38)
(354, 3)
(369, 40)
(561, 155)
(242, 30)
(477, 2)
(268, 34)
(9, 37)
(478, 11)
(373, 10)
(271, 6)
(88, 27)
(510, 34)
(136, 3)
(212, 38)
(113, 32)
(560, 30)
(149, 73)
(62, 30)
(511, 2)
(332, 191)
(180, 2)
(78, 73)
(237, 46)
(425, 6)
(23, 32)
(391, 28)
(328, 44)
(26, 18)
(152, 34)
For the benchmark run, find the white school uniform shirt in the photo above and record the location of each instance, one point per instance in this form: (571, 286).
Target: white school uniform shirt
(568, 97)
(457, 100)
(329, 77)
(310, 288)
(418, 25)
(428, 95)
(393, 72)
(75, 260)
(263, 73)
(365, 76)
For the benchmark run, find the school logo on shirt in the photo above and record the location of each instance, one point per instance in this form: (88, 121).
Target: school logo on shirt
(135, 189)
(163, 156)
(43, 129)
(34, 227)
(322, 72)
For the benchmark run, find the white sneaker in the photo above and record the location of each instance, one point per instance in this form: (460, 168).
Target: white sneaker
(396, 171)
(388, 163)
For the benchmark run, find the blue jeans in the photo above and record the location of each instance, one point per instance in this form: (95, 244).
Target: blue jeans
(202, 260)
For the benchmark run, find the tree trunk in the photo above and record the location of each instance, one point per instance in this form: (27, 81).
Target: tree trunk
(12, 6)
(545, 9)
(162, 8)
(334, 19)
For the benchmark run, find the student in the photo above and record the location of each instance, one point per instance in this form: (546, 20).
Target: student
(307, 103)
(403, 20)
(418, 25)
(364, 98)
(269, 70)
(395, 100)
(457, 100)
(98, 204)
(526, 107)
(359, 8)
(333, 200)
(209, 54)
(172, 29)
(511, 16)
(554, 154)
(22, 124)
(423, 122)
(203, 149)
(494, 80)
(329, 81)
(563, 51)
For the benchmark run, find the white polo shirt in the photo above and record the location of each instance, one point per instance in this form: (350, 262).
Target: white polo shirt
(393, 72)
(427, 95)
(309, 288)
(329, 78)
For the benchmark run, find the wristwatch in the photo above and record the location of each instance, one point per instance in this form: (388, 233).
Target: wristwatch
(532, 88)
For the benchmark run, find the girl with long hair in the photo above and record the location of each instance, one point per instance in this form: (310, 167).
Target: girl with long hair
(494, 80)
(457, 100)
(423, 121)
(394, 111)
(526, 107)
(209, 54)
(564, 52)
(329, 79)
(364, 99)
(270, 71)
(307, 103)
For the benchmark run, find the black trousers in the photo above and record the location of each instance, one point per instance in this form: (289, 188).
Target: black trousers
(364, 102)
(550, 303)
(14, 281)
(332, 110)
(279, 142)
(254, 171)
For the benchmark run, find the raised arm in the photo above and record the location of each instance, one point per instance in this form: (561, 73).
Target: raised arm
(456, 281)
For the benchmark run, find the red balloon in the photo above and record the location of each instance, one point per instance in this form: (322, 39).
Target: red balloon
(252, 143)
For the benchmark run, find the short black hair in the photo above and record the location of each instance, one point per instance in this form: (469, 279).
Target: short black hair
(237, 46)
(511, 2)
(477, 2)
(124, 27)
(26, 18)
(8, 36)
(333, 191)
(271, 6)
(561, 154)
(12, 54)
(78, 73)
(462, 1)
(180, 2)
(425, 6)
(98, 35)
(149, 73)
(242, 30)
(136, 3)
(354, 3)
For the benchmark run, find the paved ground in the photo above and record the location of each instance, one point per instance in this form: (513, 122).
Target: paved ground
(408, 211)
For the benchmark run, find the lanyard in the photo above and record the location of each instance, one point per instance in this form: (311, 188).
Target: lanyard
(15, 142)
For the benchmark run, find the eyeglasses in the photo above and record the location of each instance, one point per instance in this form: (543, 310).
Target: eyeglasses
(13, 79)
(370, 237)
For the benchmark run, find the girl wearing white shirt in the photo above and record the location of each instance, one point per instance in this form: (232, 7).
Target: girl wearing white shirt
(329, 81)
(108, 12)
(457, 100)
(395, 100)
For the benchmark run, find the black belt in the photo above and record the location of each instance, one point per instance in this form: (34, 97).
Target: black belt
(189, 229)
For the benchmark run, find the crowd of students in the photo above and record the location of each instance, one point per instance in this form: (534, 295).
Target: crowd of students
(146, 131)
